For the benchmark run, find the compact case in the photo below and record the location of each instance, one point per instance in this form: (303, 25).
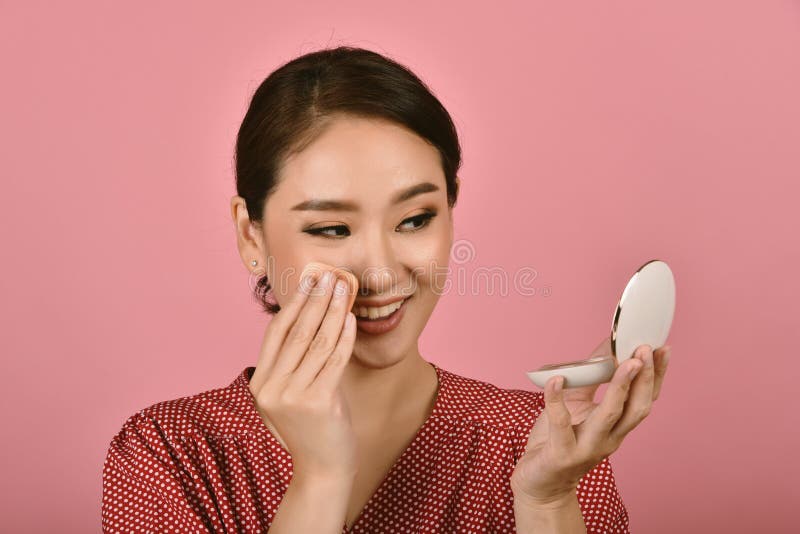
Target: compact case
(643, 317)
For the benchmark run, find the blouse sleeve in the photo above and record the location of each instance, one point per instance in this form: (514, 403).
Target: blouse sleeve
(143, 489)
(600, 501)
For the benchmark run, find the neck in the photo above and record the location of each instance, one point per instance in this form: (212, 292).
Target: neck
(379, 397)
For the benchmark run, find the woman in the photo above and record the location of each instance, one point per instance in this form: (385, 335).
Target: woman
(345, 157)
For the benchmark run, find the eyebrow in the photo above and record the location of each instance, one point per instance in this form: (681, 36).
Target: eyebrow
(317, 204)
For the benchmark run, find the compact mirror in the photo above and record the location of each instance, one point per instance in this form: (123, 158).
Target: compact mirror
(643, 317)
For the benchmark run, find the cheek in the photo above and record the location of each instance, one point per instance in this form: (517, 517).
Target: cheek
(433, 246)
(282, 281)
(284, 266)
(430, 259)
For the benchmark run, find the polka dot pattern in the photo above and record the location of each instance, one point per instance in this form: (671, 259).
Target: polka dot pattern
(207, 463)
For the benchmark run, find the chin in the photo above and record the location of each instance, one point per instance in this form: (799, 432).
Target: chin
(375, 359)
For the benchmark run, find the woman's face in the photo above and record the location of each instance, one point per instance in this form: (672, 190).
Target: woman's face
(395, 245)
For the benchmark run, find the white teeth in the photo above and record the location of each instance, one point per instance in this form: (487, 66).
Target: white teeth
(374, 313)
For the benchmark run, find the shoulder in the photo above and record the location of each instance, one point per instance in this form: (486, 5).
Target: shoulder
(154, 462)
(479, 400)
(211, 412)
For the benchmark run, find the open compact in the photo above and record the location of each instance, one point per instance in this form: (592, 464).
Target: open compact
(643, 317)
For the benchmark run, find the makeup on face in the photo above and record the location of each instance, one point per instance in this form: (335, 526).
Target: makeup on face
(643, 316)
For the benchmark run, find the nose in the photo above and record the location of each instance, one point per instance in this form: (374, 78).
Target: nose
(375, 263)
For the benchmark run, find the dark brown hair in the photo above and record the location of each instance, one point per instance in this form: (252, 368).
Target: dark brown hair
(294, 103)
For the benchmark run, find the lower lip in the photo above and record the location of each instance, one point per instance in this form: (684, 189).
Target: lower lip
(383, 325)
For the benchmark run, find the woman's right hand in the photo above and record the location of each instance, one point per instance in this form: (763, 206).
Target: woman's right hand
(305, 349)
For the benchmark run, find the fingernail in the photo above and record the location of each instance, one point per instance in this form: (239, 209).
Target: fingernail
(648, 358)
(634, 371)
(340, 289)
(559, 384)
(308, 281)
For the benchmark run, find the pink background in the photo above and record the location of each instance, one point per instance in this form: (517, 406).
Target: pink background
(596, 136)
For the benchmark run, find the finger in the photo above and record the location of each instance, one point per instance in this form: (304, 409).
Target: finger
(661, 357)
(278, 327)
(640, 398)
(605, 416)
(561, 435)
(352, 284)
(326, 339)
(304, 329)
(331, 373)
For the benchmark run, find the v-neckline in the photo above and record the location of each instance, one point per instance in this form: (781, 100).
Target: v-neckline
(438, 405)
(410, 448)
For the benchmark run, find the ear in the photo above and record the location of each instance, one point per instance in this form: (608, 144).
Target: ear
(249, 238)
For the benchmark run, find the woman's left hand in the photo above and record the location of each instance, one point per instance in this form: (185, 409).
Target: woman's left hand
(573, 434)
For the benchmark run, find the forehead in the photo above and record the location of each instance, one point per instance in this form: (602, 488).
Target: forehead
(364, 159)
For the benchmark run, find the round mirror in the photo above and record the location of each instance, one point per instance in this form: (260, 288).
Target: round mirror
(645, 310)
(643, 316)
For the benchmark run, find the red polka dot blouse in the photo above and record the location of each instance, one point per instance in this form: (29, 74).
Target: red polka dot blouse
(207, 463)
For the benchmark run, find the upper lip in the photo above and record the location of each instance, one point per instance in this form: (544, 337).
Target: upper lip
(379, 303)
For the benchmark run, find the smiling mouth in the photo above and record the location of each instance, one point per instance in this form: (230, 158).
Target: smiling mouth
(364, 313)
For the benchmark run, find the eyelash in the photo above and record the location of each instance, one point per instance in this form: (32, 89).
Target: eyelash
(425, 218)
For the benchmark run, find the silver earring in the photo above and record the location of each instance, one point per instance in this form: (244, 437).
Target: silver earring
(254, 263)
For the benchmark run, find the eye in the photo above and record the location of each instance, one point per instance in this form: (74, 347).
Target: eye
(418, 222)
(321, 231)
(423, 220)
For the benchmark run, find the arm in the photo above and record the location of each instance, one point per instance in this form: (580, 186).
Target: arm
(560, 517)
(313, 504)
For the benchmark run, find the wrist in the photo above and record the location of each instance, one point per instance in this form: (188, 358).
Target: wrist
(563, 498)
(557, 515)
(557, 502)
(326, 495)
